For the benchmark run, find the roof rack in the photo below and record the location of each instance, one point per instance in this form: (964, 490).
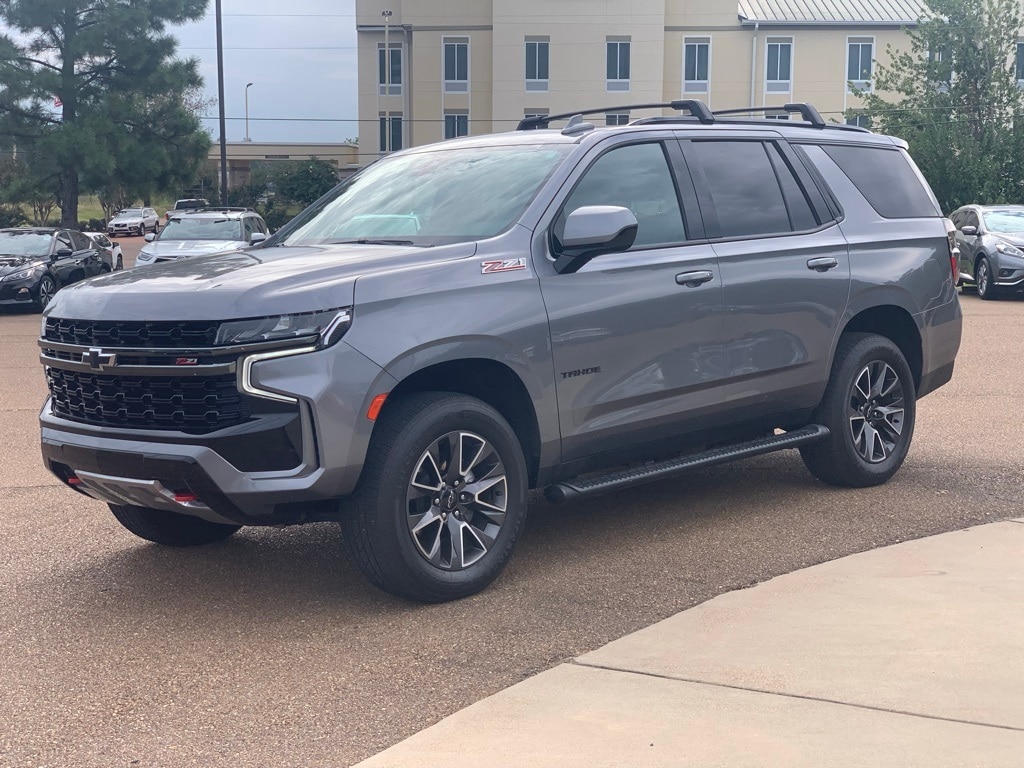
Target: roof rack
(700, 111)
(217, 209)
(697, 109)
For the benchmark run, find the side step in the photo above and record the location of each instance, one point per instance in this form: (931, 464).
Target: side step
(647, 473)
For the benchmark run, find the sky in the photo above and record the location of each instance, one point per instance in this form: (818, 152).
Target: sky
(300, 56)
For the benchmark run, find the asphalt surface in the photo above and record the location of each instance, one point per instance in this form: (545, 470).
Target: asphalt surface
(270, 650)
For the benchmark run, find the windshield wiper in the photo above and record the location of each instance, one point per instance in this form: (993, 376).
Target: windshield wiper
(374, 241)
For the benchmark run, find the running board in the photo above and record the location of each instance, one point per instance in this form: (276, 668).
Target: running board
(647, 473)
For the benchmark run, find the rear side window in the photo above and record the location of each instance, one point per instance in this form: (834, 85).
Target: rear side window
(886, 179)
(744, 188)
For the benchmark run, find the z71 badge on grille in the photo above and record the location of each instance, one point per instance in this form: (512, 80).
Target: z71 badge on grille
(502, 265)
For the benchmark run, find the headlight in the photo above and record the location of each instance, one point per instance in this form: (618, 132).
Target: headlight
(143, 256)
(23, 274)
(1009, 250)
(329, 325)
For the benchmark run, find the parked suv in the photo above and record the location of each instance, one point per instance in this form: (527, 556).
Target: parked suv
(188, 204)
(203, 231)
(580, 309)
(991, 242)
(134, 221)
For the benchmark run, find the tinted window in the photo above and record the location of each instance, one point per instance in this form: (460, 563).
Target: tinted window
(80, 242)
(972, 220)
(744, 188)
(63, 240)
(957, 219)
(886, 179)
(801, 217)
(635, 177)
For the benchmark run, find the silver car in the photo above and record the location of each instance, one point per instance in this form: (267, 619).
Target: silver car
(991, 240)
(134, 221)
(208, 230)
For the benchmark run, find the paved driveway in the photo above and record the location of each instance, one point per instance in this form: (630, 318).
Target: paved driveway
(270, 650)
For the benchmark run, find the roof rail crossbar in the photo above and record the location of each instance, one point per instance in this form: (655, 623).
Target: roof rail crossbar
(696, 108)
(806, 111)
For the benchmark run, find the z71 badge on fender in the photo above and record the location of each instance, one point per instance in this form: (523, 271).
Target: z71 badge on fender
(502, 265)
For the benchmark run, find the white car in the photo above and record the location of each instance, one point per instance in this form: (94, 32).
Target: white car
(115, 248)
(134, 221)
(197, 233)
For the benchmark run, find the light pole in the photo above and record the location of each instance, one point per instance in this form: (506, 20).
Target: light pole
(220, 105)
(247, 87)
(387, 82)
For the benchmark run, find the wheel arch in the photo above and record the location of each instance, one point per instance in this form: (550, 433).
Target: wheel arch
(894, 323)
(492, 382)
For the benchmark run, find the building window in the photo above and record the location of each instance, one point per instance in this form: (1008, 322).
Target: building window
(537, 50)
(616, 118)
(617, 63)
(696, 64)
(778, 65)
(1020, 64)
(861, 121)
(456, 64)
(456, 124)
(859, 53)
(395, 59)
(390, 131)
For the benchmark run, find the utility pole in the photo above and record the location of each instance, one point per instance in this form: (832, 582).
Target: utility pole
(220, 95)
(247, 87)
(387, 82)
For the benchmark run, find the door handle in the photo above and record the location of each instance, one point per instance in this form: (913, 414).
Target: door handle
(822, 264)
(693, 279)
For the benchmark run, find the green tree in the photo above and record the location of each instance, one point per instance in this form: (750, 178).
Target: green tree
(122, 119)
(304, 181)
(954, 97)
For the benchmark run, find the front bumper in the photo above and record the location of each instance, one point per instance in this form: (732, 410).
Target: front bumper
(18, 292)
(323, 443)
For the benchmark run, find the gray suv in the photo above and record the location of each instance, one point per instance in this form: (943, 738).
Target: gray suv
(991, 242)
(581, 310)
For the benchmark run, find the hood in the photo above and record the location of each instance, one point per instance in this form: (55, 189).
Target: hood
(9, 264)
(237, 284)
(180, 249)
(1014, 238)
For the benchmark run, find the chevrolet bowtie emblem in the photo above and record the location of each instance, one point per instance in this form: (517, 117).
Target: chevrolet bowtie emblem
(97, 359)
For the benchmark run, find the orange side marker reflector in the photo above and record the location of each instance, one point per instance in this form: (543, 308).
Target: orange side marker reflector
(375, 405)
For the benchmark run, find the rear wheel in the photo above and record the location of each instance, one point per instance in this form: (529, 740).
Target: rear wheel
(869, 407)
(120, 263)
(441, 501)
(170, 528)
(984, 279)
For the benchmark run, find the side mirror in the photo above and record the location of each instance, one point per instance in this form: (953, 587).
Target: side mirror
(593, 230)
(257, 237)
(969, 231)
(150, 237)
(63, 253)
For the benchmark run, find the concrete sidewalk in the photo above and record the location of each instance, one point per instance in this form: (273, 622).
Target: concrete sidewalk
(910, 655)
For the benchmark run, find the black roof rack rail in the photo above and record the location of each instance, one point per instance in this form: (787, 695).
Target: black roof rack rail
(218, 209)
(697, 109)
(806, 111)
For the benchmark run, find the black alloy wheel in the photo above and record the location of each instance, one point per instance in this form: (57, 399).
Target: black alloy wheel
(984, 279)
(45, 292)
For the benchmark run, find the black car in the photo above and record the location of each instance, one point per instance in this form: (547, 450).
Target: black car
(37, 261)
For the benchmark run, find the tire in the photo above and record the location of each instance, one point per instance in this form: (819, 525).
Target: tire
(402, 525)
(983, 278)
(842, 459)
(44, 294)
(170, 528)
(120, 264)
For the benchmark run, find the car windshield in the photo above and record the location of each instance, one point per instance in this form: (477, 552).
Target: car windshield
(24, 244)
(432, 197)
(197, 228)
(1006, 222)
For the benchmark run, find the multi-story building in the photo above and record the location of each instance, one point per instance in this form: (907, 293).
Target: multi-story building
(458, 67)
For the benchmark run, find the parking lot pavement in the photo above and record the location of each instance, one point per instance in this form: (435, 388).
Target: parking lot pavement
(268, 649)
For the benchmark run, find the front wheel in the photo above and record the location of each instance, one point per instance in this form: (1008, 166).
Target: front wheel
(984, 279)
(120, 263)
(170, 528)
(441, 501)
(44, 293)
(870, 408)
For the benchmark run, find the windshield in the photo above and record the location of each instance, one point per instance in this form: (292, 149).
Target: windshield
(429, 198)
(130, 212)
(1006, 222)
(24, 244)
(195, 228)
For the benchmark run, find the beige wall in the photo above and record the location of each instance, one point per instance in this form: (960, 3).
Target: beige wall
(578, 30)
